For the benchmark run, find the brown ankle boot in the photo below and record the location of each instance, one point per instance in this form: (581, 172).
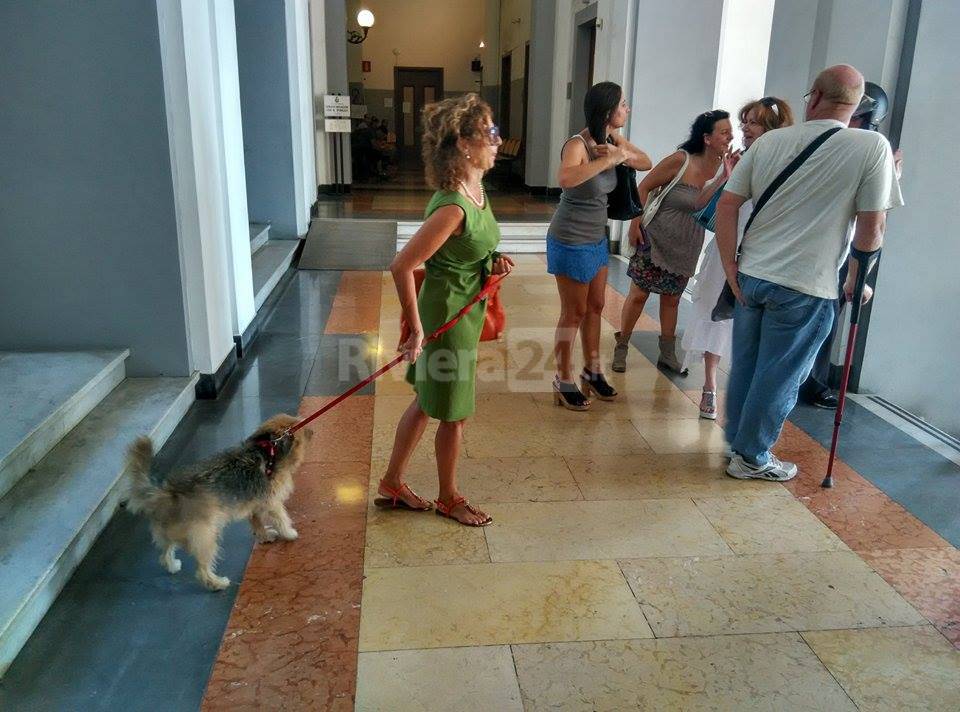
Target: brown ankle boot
(668, 356)
(620, 353)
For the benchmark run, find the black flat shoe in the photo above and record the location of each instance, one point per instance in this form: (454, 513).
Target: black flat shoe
(569, 396)
(595, 383)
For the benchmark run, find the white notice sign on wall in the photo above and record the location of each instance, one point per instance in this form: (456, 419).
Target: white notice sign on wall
(336, 107)
(336, 125)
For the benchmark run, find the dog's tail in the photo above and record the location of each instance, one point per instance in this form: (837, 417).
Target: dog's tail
(143, 495)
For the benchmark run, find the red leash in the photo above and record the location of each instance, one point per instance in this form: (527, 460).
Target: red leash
(487, 290)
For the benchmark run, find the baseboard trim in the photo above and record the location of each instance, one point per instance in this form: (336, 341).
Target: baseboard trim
(209, 385)
(332, 188)
(245, 340)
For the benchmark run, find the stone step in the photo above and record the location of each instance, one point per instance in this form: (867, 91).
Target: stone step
(43, 395)
(259, 235)
(514, 237)
(52, 516)
(269, 264)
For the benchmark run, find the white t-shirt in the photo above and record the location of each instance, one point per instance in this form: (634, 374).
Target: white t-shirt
(802, 234)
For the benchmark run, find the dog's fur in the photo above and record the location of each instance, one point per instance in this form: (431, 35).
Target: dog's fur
(190, 508)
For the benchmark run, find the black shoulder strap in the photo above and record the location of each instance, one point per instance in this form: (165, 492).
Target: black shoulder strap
(789, 171)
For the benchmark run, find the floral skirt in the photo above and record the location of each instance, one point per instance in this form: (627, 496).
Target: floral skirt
(650, 278)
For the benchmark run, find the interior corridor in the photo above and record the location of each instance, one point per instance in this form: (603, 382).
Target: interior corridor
(623, 568)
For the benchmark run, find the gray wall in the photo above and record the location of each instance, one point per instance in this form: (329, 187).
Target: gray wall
(543, 55)
(90, 252)
(914, 334)
(265, 106)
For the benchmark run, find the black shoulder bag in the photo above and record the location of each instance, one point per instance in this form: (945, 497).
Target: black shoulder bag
(726, 302)
(623, 202)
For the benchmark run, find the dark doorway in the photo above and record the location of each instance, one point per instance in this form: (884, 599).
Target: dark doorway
(505, 69)
(413, 88)
(526, 94)
(584, 50)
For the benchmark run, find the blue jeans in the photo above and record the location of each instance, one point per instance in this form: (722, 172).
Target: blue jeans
(776, 336)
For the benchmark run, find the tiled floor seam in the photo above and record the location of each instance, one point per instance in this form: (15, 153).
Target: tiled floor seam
(827, 668)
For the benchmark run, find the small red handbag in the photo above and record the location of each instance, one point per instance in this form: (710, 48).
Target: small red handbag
(494, 322)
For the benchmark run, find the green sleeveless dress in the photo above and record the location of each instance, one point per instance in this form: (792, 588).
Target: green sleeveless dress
(444, 376)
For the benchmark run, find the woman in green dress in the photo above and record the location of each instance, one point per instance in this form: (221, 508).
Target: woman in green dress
(457, 244)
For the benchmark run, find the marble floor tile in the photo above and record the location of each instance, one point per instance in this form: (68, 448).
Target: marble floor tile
(497, 604)
(675, 436)
(731, 672)
(768, 525)
(630, 405)
(549, 531)
(641, 375)
(296, 680)
(353, 319)
(397, 537)
(871, 521)
(892, 668)
(463, 679)
(662, 477)
(928, 578)
(761, 594)
(353, 416)
(585, 438)
(497, 479)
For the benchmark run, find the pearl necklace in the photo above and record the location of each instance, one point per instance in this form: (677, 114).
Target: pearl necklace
(483, 196)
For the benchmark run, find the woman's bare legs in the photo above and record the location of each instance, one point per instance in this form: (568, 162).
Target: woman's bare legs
(669, 306)
(710, 364)
(590, 324)
(573, 309)
(632, 309)
(409, 431)
(447, 444)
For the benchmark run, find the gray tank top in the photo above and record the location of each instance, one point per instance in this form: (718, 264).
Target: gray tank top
(581, 216)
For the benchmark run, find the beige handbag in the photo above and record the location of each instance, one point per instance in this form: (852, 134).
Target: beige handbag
(656, 197)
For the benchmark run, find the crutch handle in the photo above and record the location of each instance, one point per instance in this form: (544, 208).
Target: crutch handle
(866, 261)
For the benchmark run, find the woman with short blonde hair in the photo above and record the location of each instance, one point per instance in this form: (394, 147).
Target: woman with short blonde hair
(456, 244)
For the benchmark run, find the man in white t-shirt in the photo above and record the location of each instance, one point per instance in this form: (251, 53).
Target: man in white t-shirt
(786, 278)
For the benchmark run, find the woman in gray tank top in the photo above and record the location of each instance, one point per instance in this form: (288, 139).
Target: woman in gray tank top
(576, 240)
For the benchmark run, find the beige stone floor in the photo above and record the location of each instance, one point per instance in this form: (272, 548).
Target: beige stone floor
(623, 570)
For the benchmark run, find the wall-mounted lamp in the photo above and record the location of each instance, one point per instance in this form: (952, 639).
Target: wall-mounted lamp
(365, 20)
(482, 44)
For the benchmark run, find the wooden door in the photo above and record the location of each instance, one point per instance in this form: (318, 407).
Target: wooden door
(414, 88)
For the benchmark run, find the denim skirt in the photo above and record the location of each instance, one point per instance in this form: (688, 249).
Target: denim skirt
(578, 262)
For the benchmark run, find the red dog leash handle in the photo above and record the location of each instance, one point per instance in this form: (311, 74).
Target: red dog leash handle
(487, 290)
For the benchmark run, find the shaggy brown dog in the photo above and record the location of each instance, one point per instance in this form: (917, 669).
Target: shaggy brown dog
(190, 508)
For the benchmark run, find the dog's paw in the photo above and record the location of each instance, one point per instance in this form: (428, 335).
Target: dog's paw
(268, 536)
(172, 566)
(214, 582)
(290, 534)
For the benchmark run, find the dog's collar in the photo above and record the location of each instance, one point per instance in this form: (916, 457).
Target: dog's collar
(269, 448)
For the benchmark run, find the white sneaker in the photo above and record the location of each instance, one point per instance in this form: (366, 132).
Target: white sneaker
(774, 470)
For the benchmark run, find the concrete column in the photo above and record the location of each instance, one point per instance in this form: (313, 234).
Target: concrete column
(910, 356)
(190, 72)
(809, 35)
(301, 110)
(234, 173)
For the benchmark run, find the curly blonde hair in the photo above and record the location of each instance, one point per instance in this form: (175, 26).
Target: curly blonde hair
(772, 113)
(444, 123)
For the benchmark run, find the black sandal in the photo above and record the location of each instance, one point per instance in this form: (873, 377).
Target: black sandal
(596, 383)
(569, 396)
